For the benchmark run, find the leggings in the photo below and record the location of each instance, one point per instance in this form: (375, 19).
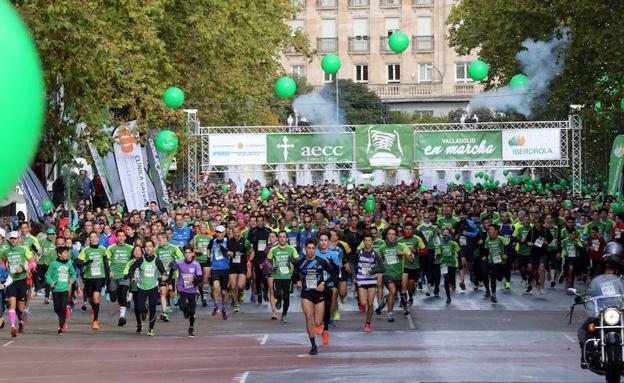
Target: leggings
(328, 293)
(262, 286)
(435, 278)
(40, 281)
(60, 305)
(187, 305)
(482, 269)
(496, 273)
(120, 295)
(449, 280)
(143, 297)
(281, 289)
(425, 267)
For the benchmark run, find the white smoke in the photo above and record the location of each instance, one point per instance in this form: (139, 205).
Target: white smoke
(319, 108)
(541, 62)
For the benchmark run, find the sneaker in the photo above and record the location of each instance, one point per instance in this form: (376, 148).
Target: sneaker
(507, 285)
(237, 308)
(265, 296)
(84, 307)
(493, 299)
(164, 317)
(95, 325)
(278, 304)
(175, 301)
(378, 311)
(273, 316)
(191, 332)
(20, 327)
(224, 315)
(13, 331)
(390, 318)
(337, 315)
(448, 301)
(411, 300)
(204, 303)
(542, 291)
(362, 308)
(332, 323)
(67, 313)
(46, 301)
(241, 296)
(529, 288)
(561, 277)
(486, 295)
(284, 318)
(319, 330)
(367, 327)
(139, 329)
(462, 286)
(64, 328)
(259, 299)
(253, 299)
(427, 294)
(313, 351)
(343, 300)
(406, 311)
(59, 332)
(151, 332)
(420, 285)
(523, 284)
(552, 284)
(215, 310)
(325, 337)
(122, 322)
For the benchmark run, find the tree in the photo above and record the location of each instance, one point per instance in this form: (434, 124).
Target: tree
(593, 69)
(360, 104)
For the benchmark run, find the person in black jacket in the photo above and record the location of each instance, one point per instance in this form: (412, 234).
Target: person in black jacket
(538, 239)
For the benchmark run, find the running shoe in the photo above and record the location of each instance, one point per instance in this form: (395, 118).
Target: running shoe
(493, 299)
(259, 299)
(25, 316)
(67, 313)
(507, 285)
(486, 295)
(390, 317)
(224, 315)
(448, 301)
(378, 310)
(313, 351)
(64, 328)
(122, 322)
(284, 318)
(325, 337)
(59, 332)
(542, 291)
(462, 286)
(241, 296)
(237, 308)
(332, 323)
(191, 332)
(108, 297)
(253, 298)
(523, 284)
(46, 301)
(175, 301)
(319, 330)
(278, 304)
(151, 332)
(84, 307)
(529, 288)
(406, 311)
(265, 296)
(13, 331)
(343, 300)
(139, 329)
(164, 317)
(362, 308)
(95, 325)
(273, 316)
(337, 315)
(552, 284)
(20, 327)
(420, 285)
(215, 310)
(367, 327)
(204, 303)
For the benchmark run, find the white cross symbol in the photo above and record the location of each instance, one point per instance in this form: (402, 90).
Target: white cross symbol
(285, 146)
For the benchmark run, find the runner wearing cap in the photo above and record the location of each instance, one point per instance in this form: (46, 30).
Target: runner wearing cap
(220, 269)
(48, 254)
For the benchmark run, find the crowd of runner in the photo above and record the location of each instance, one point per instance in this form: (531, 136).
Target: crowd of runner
(317, 241)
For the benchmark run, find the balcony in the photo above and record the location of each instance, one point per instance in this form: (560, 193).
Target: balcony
(327, 45)
(397, 91)
(384, 47)
(422, 3)
(360, 44)
(464, 89)
(299, 3)
(390, 3)
(326, 4)
(422, 43)
(359, 3)
(290, 51)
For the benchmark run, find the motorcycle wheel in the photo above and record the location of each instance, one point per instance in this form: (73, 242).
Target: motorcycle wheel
(614, 358)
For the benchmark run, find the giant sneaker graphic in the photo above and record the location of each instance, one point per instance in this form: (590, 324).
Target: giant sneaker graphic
(384, 148)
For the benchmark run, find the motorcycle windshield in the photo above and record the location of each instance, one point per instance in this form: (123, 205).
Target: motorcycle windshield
(605, 290)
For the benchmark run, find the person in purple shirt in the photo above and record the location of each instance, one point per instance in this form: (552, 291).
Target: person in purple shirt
(188, 279)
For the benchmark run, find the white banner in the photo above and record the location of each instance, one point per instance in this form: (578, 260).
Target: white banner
(532, 144)
(131, 167)
(237, 149)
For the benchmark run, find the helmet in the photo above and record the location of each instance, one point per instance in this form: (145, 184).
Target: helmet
(613, 255)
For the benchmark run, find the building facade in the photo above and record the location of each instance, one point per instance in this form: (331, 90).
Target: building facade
(429, 77)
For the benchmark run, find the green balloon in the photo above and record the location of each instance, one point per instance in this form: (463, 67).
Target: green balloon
(22, 99)
(616, 207)
(519, 81)
(174, 97)
(452, 184)
(265, 194)
(458, 176)
(167, 142)
(567, 204)
(505, 172)
(330, 64)
(486, 177)
(422, 188)
(343, 180)
(372, 178)
(225, 188)
(398, 42)
(47, 206)
(285, 87)
(478, 70)
(598, 205)
(369, 205)
(622, 103)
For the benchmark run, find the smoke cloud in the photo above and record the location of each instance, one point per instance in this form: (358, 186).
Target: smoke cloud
(541, 62)
(319, 108)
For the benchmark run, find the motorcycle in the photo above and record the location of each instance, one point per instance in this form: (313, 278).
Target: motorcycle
(602, 351)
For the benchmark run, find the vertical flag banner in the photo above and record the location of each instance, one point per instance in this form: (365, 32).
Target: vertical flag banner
(131, 168)
(616, 165)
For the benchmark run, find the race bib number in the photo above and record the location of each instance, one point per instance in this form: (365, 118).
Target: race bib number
(63, 277)
(366, 267)
(13, 268)
(437, 241)
(392, 259)
(444, 269)
(524, 237)
(595, 245)
(618, 234)
(539, 242)
(572, 253)
(284, 270)
(310, 281)
(292, 241)
(95, 269)
(218, 254)
(497, 259)
(607, 288)
(188, 281)
(463, 241)
(237, 257)
(261, 245)
(150, 272)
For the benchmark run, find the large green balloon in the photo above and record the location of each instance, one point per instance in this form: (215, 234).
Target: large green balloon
(285, 87)
(21, 99)
(265, 194)
(167, 142)
(369, 205)
(519, 81)
(330, 64)
(398, 42)
(174, 97)
(47, 206)
(478, 70)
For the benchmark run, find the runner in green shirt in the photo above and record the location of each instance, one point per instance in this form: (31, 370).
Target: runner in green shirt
(431, 233)
(48, 254)
(95, 266)
(200, 244)
(411, 270)
(60, 275)
(118, 257)
(571, 249)
(523, 250)
(447, 221)
(167, 253)
(496, 258)
(445, 264)
(392, 254)
(282, 257)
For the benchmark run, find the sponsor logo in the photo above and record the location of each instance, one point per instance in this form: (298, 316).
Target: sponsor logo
(310, 152)
(618, 151)
(384, 148)
(126, 141)
(517, 141)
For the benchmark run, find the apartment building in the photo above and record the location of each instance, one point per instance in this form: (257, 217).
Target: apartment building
(429, 77)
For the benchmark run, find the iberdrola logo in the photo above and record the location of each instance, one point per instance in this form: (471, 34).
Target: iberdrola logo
(517, 141)
(618, 151)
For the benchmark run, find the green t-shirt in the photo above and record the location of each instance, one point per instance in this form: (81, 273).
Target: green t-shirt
(447, 254)
(148, 275)
(415, 243)
(570, 248)
(520, 234)
(554, 244)
(431, 233)
(168, 254)
(60, 274)
(447, 223)
(95, 269)
(15, 257)
(597, 224)
(282, 261)
(393, 262)
(48, 252)
(201, 242)
(118, 257)
(496, 249)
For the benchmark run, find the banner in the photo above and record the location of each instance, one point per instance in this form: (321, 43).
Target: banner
(155, 173)
(108, 174)
(458, 146)
(237, 149)
(309, 148)
(34, 195)
(166, 159)
(531, 144)
(131, 168)
(616, 165)
(384, 146)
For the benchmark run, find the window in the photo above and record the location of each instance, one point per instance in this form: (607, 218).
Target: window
(425, 72)
(461, 72)
(361, 73)
(394, 73)
(423, 26)
(298, 70)
(328, 78)
(297, 24)
(392, 25)
(328, 28)
(360, 28)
